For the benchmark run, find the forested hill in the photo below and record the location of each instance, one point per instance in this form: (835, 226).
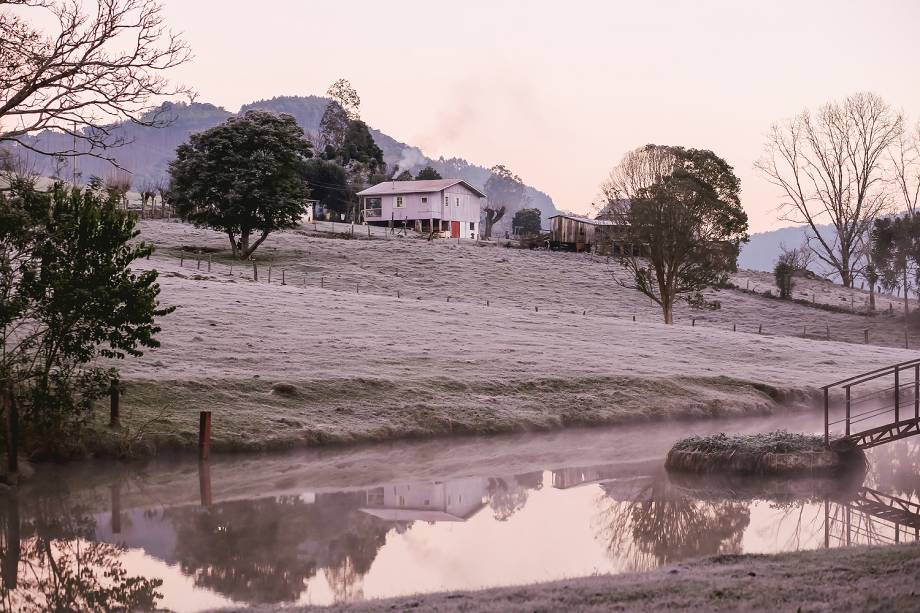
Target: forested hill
(147, 151)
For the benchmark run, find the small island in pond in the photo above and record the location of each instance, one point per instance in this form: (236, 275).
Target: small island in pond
(768, 453)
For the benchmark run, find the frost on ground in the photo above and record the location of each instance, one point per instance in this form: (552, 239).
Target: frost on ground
(853, 579)
(334, 356)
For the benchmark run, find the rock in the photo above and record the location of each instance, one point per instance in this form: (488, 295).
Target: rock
(285, 389)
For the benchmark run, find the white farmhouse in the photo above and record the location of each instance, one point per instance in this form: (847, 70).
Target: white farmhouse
(449, 207)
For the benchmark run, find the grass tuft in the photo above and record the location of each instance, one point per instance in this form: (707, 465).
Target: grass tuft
(778, 441)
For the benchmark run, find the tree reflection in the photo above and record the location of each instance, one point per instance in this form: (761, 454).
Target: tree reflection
(508, 495)
(265, 551)
(50, 563)
(656, 524)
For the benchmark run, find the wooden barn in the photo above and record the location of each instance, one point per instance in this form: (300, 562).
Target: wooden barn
(574, 233)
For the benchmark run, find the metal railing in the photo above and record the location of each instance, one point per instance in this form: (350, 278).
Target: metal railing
(895, 399)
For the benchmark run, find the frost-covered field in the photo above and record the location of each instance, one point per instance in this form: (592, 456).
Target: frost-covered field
(366, 365)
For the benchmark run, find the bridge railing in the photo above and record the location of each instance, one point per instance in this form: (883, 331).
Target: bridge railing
(868, 396)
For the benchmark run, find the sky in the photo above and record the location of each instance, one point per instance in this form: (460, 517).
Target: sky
(559, 91)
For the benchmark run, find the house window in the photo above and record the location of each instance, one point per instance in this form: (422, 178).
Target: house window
(424, 199)
(458, 201)
(446, 200)
(399, 202)
(472, 225)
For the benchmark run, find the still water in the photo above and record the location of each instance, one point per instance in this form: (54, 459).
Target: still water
(384, 520)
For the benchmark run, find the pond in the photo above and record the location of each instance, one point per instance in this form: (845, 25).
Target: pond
(335, 525)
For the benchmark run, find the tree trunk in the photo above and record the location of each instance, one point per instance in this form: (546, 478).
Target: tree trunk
(906, 293)
(244, 245)
(846, 277)
(872, 297)
(233, 244)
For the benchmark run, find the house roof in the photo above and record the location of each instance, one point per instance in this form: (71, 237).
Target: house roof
(416, 187)
(587, 220)
(402, 514)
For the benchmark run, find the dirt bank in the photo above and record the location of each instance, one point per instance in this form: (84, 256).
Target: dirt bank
(857, 579)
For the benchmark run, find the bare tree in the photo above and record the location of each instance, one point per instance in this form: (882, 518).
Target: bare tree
(829, 166)
(162, 188)
(505, 191)
(17, 168)
(905, 162)
(118, 184)
(148, 193)
(101, 62)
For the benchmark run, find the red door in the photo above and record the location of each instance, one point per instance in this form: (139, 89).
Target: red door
(455, 229)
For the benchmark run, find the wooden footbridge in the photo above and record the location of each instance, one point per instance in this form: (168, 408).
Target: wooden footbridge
(878, 407)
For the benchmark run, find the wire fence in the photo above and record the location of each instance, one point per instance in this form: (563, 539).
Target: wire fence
(401, 288)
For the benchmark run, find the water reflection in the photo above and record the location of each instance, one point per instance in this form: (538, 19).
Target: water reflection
(111, 545)
(649, 522)
(51, 562)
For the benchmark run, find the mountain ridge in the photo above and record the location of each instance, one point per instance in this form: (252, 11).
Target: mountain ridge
(148, 150)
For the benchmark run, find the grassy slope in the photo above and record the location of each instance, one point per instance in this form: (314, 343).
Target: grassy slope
(858, 579)
(367, 366)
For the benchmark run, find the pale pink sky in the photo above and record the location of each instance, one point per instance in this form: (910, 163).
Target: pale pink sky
(559, 91)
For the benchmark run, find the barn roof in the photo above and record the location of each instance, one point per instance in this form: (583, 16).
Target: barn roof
(416, 187)
(587, 220)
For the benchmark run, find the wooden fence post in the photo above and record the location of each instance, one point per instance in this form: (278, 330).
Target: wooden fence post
(269, 274)
(115, 491)
(204, 482)
(204, 435)
(282, 277)
(255, 271)
(759, 328)
(866, 335)
(181, 261)
(114, 405)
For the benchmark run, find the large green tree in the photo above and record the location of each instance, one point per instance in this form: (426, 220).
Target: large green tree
(526, 222)
(328, 183)
(680, 210)
(68, 295)
(896, 253)
(243, 177)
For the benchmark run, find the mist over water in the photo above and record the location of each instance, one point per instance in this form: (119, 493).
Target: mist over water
(382, 520)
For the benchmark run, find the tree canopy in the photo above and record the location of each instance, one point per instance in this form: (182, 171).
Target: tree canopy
(896, 254)
(242, 177)
(428, 174)
(68, 296)
(681, 218)
(328, 183)
(526, 222)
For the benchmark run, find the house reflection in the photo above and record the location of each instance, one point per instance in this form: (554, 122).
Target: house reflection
(437, 501)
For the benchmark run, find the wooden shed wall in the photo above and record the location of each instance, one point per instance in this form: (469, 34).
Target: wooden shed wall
(567, 230)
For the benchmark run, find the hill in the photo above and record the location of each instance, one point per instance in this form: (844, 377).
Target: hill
(147, 151)
(372, 339)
